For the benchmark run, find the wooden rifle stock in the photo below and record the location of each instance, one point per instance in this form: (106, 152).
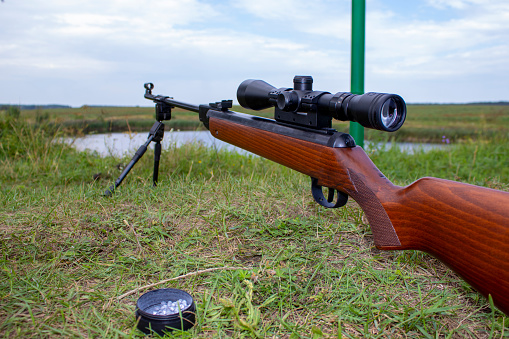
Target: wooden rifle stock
(464, 226)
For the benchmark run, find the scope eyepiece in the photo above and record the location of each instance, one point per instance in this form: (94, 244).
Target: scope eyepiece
(382, 111)
(391, 116)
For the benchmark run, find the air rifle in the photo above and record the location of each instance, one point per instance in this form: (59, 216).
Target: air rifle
(464, 226)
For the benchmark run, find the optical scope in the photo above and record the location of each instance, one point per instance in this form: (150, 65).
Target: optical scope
(303, 106)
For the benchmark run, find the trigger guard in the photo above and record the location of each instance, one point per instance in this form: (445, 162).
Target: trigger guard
(316, 191)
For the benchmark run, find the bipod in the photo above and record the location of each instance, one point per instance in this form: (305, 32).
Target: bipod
(163, 112)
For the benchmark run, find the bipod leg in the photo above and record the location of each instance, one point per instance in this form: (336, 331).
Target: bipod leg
(158, 137)
(157, 157)
(154, 133)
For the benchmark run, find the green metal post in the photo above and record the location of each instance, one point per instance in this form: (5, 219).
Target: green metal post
(357, 62)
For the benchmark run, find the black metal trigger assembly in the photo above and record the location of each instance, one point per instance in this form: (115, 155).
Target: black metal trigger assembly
(317, 192)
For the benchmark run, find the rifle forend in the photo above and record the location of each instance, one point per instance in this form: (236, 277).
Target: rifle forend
(464, 226)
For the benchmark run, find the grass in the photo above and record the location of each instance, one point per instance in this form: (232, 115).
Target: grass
(86, 119)
(456, 122)
(68, 253)
(428, 123)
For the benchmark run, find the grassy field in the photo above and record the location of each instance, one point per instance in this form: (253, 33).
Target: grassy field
(429, 123)
(283, 266)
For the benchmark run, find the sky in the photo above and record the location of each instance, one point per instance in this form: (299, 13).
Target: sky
(101, 52)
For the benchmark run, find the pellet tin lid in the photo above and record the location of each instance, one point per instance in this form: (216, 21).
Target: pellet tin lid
(156, 311)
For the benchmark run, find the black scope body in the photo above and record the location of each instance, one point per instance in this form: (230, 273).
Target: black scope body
(382, 111)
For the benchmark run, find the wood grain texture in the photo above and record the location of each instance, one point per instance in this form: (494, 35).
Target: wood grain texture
(465, 226)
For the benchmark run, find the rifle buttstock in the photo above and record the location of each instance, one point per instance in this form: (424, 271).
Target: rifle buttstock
(464, 226)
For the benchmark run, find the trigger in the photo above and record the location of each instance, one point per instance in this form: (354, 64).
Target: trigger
(317, 192)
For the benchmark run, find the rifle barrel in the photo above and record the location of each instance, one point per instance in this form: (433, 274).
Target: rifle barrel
(179, 104)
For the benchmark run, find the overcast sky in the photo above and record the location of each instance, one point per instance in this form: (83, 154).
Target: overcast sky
(101, 52)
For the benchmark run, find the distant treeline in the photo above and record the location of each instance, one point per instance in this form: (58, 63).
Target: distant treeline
(4, 107)
(493, 103)
(503, 103)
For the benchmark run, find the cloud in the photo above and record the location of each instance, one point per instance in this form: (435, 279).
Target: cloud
(438, 49)
(330, 18)
(211, 47)
(158, 36)
(456, 4)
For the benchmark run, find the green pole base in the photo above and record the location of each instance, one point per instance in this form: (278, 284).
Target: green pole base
(357, 132)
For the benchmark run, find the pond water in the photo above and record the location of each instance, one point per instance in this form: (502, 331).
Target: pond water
(120, 144)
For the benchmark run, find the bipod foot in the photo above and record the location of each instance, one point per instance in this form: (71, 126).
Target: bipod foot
(156, 134)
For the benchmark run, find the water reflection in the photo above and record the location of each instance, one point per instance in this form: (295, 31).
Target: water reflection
(120, 144)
